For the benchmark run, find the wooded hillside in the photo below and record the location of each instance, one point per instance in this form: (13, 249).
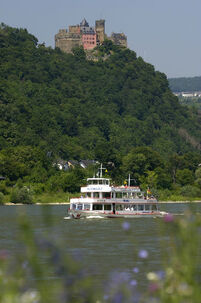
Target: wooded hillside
(78, 108)
(185, 84)
(71, 108)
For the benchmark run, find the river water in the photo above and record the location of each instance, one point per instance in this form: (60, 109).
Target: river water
(102, 245)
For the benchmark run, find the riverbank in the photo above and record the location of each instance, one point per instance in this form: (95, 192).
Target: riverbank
(67, 203)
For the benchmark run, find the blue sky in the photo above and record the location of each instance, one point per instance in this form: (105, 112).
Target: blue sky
(166, 33)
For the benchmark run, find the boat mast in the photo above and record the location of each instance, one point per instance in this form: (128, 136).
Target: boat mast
(101, 170)
(129, 180)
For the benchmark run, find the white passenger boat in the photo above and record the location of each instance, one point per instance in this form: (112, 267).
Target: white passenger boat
(101, 199)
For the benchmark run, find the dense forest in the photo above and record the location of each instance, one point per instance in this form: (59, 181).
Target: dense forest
(185, 84)
(116, 109)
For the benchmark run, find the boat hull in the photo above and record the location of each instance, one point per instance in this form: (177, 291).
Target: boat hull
(91, 214)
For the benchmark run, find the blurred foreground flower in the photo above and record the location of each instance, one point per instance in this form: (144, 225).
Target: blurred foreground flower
(136, 270)
(126, 226)
(143, 254)
(133, 282)
(153, 287)
(168, 218)
(152, 276)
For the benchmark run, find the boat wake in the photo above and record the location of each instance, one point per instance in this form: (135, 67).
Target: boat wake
(67, 218)
(94, 217)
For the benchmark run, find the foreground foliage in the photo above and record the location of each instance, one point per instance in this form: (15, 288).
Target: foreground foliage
(24, 277)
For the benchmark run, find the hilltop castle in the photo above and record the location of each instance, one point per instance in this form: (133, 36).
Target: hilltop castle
(86, 36)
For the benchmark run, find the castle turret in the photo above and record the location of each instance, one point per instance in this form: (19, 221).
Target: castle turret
(100, 31)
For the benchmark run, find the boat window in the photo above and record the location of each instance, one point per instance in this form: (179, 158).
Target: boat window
(147, 207)
(118, 195)
(88, 195)
(107, 207)
(119, 207)
(140, 207)
(154, 207)
(133, 207)
(96, 195)
(86, 206)
(74, 206)
(97, 206)
(106, 195)
(79, 206)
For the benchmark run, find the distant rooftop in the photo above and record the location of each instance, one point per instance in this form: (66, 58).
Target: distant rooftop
(84, 23)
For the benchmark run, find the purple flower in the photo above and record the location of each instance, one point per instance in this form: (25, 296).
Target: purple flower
(126, 226)
(133, 282)
(118, 298)
(160, 274)
(143, 254)
(136, 270)
(105, 297)
(124, 276)
(153, 287)
(117, 278)
(168, 218)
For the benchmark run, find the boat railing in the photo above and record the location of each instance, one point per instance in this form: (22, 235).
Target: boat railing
(112, 200)
(134, 200)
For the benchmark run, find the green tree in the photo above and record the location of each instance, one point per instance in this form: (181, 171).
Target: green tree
(21, 195)
(184, 176)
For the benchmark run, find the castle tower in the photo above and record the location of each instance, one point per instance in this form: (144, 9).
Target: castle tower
(100, 31)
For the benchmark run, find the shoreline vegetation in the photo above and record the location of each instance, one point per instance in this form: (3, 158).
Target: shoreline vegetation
(64, 199)
(66, 185)
(68, 203)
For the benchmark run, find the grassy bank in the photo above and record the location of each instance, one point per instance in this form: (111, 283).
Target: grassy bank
(42, 198)
(59, 197)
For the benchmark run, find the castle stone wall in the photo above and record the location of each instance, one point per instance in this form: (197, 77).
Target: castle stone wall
(67, 41)
(74, 29)
(119, 39)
